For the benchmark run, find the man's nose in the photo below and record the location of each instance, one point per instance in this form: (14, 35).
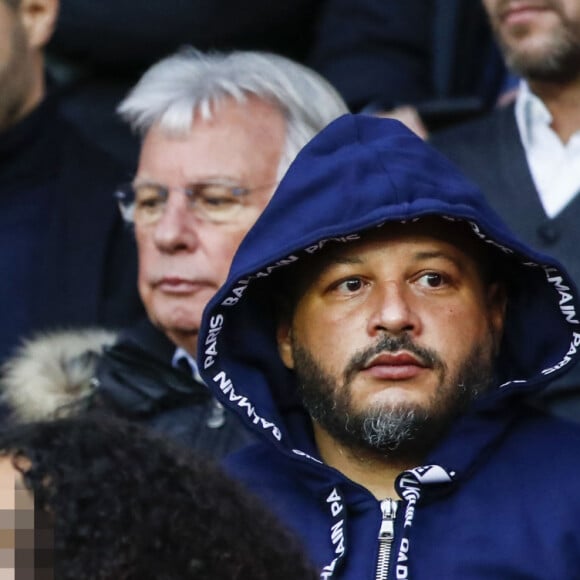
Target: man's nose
(177, 228)
(392, 310)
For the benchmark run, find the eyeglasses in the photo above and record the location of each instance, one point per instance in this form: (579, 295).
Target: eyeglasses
(219, 202)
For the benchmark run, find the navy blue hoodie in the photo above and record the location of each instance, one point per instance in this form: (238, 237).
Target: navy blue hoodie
(499, 496)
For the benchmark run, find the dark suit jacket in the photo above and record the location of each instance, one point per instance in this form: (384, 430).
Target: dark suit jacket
(489, 151)
(90, 259)
(86, 267)
(135, 380)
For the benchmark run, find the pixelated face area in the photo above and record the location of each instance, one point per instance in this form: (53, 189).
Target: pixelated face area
(25, 538)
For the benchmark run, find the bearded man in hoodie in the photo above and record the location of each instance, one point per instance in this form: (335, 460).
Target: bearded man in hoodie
(381, 331)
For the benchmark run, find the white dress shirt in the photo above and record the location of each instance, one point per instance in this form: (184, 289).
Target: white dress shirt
(554, 166)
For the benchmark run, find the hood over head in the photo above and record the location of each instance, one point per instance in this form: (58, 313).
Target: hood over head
(360, 173)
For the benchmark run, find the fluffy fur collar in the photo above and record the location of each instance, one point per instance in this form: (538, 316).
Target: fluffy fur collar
(51, 371)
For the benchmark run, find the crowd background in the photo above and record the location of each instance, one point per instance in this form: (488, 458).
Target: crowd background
(437, 55)
(435, 64)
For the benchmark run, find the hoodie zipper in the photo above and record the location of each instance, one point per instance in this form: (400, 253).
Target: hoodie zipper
(386, 536)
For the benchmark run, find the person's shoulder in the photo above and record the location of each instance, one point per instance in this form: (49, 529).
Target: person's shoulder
(248, 457)
(83, 154)
(472, 144)
(257, 465)
(550, 442)
(559, 428)
(542, 418)
(144, 337)
(545, 455)
(473, 131)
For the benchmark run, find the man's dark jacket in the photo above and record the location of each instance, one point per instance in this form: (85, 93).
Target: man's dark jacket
(136, 380)
(85, 267)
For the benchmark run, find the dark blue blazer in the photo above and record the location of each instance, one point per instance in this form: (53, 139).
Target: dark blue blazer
(90, 265)
(85, 269)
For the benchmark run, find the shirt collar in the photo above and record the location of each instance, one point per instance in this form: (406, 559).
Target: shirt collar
(531, 113)
(181, 354)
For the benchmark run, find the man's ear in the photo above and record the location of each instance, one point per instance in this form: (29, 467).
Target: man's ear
(497, 305)
(284, 339)
(38, 18)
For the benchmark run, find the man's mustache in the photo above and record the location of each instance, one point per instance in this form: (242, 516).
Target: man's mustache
(389, 343)
(504, 6)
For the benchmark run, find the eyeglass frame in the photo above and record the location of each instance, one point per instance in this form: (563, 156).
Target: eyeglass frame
(128, 190)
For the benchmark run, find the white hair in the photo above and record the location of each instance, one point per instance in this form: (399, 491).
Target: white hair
(173, 90)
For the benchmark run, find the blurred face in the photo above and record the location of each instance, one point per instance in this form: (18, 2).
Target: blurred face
(540, 39)
(184, 259)
(392, 337)
(17, 73)
(17, 523)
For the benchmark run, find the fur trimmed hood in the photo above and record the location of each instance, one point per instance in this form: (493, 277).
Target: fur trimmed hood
(51, 371)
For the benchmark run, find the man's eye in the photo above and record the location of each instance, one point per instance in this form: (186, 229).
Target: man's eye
(217, 201)
(432, 280)
(350, 285)
(149, 202)
(215, 196)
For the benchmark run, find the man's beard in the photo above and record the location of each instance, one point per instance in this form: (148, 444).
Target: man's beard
(557, 60)
(402, 432)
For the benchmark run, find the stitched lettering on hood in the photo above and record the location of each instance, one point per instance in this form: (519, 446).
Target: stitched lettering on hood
(227, 387)
(409, 487)
(322, 243)
(477, 231)
(215, 324)
(568, 358)
(237, 292)
(337, 535)
(568, 310)
(402, 569)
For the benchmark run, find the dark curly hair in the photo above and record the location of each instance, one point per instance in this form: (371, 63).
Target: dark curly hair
(125, 504)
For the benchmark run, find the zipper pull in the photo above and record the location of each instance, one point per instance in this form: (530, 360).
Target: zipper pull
(389, 511)
(386, 537)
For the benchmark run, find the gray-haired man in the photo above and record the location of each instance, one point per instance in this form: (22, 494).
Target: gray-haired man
(218, 132)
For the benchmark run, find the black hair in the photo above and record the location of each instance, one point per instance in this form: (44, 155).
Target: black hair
(125, 504)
